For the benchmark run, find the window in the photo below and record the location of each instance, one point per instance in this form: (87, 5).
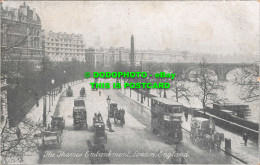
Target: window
(170, 109)
(177, 110)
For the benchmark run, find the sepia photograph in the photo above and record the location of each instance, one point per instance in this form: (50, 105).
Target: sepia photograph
(130, 82)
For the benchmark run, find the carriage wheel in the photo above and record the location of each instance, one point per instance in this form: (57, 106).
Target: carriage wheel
(198, 141)
(201, 143)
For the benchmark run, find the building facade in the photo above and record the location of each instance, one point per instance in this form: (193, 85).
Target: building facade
(63, 46)
(4, 107)
(101, 58)
(20, 36)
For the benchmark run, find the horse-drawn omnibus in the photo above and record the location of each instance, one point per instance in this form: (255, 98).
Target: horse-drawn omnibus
(166, 119)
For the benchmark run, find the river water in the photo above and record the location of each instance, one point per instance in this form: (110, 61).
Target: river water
(231, 92)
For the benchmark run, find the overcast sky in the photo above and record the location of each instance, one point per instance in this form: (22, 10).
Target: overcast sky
(199, 27)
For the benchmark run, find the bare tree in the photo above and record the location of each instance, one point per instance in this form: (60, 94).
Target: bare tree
(249, 87)
(178, 84)
(152, 68)
(19, 140)
(207, 86)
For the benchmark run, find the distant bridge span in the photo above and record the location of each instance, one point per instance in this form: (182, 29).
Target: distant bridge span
(221, 69)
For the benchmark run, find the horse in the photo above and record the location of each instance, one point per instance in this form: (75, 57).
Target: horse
(214, 140)
(209, 142)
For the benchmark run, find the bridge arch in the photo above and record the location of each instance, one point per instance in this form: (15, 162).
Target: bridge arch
(232, 73)
(192, 73)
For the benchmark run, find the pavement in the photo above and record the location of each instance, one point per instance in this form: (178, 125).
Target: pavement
(247, 153)
(35, 115)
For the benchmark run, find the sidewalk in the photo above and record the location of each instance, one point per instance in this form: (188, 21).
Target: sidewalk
(134, 97)
(247, 153)
(36, 115)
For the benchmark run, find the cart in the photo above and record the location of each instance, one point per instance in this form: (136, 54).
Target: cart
(50, 138)
(203, 133)
(119, 115)
(69, 92)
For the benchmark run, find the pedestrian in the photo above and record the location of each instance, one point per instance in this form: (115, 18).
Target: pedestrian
(36, 97)
(245, 138)
(99, 93)
(186, 116)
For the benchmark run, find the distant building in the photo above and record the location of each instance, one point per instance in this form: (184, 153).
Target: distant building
(101, 58)
(20, 36)
(63, 46)
(4, 107)
(132, 57)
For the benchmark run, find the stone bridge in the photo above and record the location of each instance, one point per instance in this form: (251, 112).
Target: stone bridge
(221, 69)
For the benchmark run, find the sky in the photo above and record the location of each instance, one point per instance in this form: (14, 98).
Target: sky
(220, 27)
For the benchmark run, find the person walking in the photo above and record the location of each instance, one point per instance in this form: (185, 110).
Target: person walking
(245, 138)
(186, 116)
(99, 93)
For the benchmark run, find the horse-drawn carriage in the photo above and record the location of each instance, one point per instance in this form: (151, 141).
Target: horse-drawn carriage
(82, 92)
(117, 114)
(52, 136)
(100, 137)
(69, 92)
(203, 133)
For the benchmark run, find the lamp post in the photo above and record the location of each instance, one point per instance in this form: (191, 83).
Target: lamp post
(44, 84)
(64, 78)
(52, 82)
(124, 87)
(50, 101)
(108, 103)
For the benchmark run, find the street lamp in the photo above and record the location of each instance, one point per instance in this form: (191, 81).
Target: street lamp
(52, 82)
(64, 78)
(50, 101)
(108, 103)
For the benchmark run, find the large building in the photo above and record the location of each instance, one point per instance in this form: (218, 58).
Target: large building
(20, 36)
(63, 46)
(4, 108)
(101, 58)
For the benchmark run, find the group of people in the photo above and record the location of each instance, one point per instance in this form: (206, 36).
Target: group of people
(98, 117)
